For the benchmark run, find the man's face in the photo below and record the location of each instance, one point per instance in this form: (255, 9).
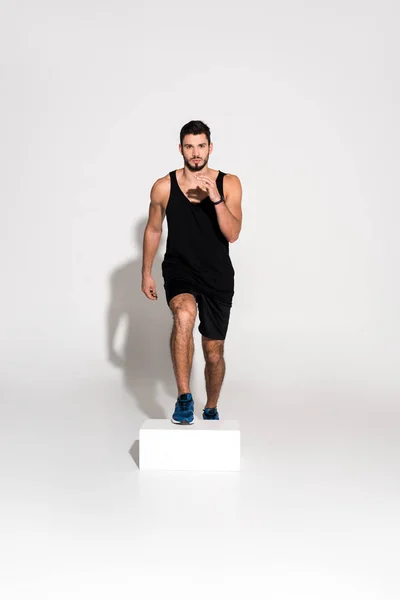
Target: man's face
(195, 150)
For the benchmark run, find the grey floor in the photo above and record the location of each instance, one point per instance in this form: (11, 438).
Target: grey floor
(313, 514)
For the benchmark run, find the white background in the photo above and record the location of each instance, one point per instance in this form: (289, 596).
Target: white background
(302, 100)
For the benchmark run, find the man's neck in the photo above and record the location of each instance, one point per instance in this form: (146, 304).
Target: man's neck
(190, 176)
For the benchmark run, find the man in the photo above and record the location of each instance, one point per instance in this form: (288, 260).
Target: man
(204, 215)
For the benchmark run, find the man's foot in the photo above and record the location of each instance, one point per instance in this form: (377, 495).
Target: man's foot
(210, 414)
(184, 410)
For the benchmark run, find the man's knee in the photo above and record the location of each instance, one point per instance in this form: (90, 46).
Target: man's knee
(184, 310)
(213, 351)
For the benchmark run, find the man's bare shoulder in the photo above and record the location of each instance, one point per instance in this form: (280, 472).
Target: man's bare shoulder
(231, 178)
(232, 183)
(160, 190)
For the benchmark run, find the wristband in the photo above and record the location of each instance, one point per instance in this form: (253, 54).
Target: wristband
(219, 201)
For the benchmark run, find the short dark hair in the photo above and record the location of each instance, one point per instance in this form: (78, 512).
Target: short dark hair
(195, 128)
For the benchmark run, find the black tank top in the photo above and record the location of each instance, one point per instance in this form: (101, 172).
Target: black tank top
(196, 248)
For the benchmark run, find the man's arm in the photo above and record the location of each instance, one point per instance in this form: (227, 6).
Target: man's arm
(152, 234)
(229, 213)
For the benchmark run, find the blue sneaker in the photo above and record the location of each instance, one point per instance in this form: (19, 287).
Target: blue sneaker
(210, 414)
(184, 410)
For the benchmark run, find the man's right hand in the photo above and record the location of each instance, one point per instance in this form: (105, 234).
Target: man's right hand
(149, 287)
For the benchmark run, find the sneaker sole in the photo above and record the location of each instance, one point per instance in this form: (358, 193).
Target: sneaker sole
(184, 422)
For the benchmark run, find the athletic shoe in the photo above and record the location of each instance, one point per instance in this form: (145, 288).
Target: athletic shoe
(210, 414)
(184, 410)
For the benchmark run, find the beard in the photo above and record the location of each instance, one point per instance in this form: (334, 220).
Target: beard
(194, 167)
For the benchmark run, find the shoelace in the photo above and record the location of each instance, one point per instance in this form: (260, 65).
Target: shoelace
(184, 404)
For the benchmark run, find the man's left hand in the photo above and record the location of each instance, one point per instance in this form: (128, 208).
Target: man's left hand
(211, 186)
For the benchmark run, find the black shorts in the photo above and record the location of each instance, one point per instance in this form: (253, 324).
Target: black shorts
(214, 312)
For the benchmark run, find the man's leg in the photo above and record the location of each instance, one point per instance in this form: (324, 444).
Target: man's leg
(184, 310)
(214, 369)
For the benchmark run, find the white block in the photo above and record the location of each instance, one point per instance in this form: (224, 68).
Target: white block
(202, 446)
